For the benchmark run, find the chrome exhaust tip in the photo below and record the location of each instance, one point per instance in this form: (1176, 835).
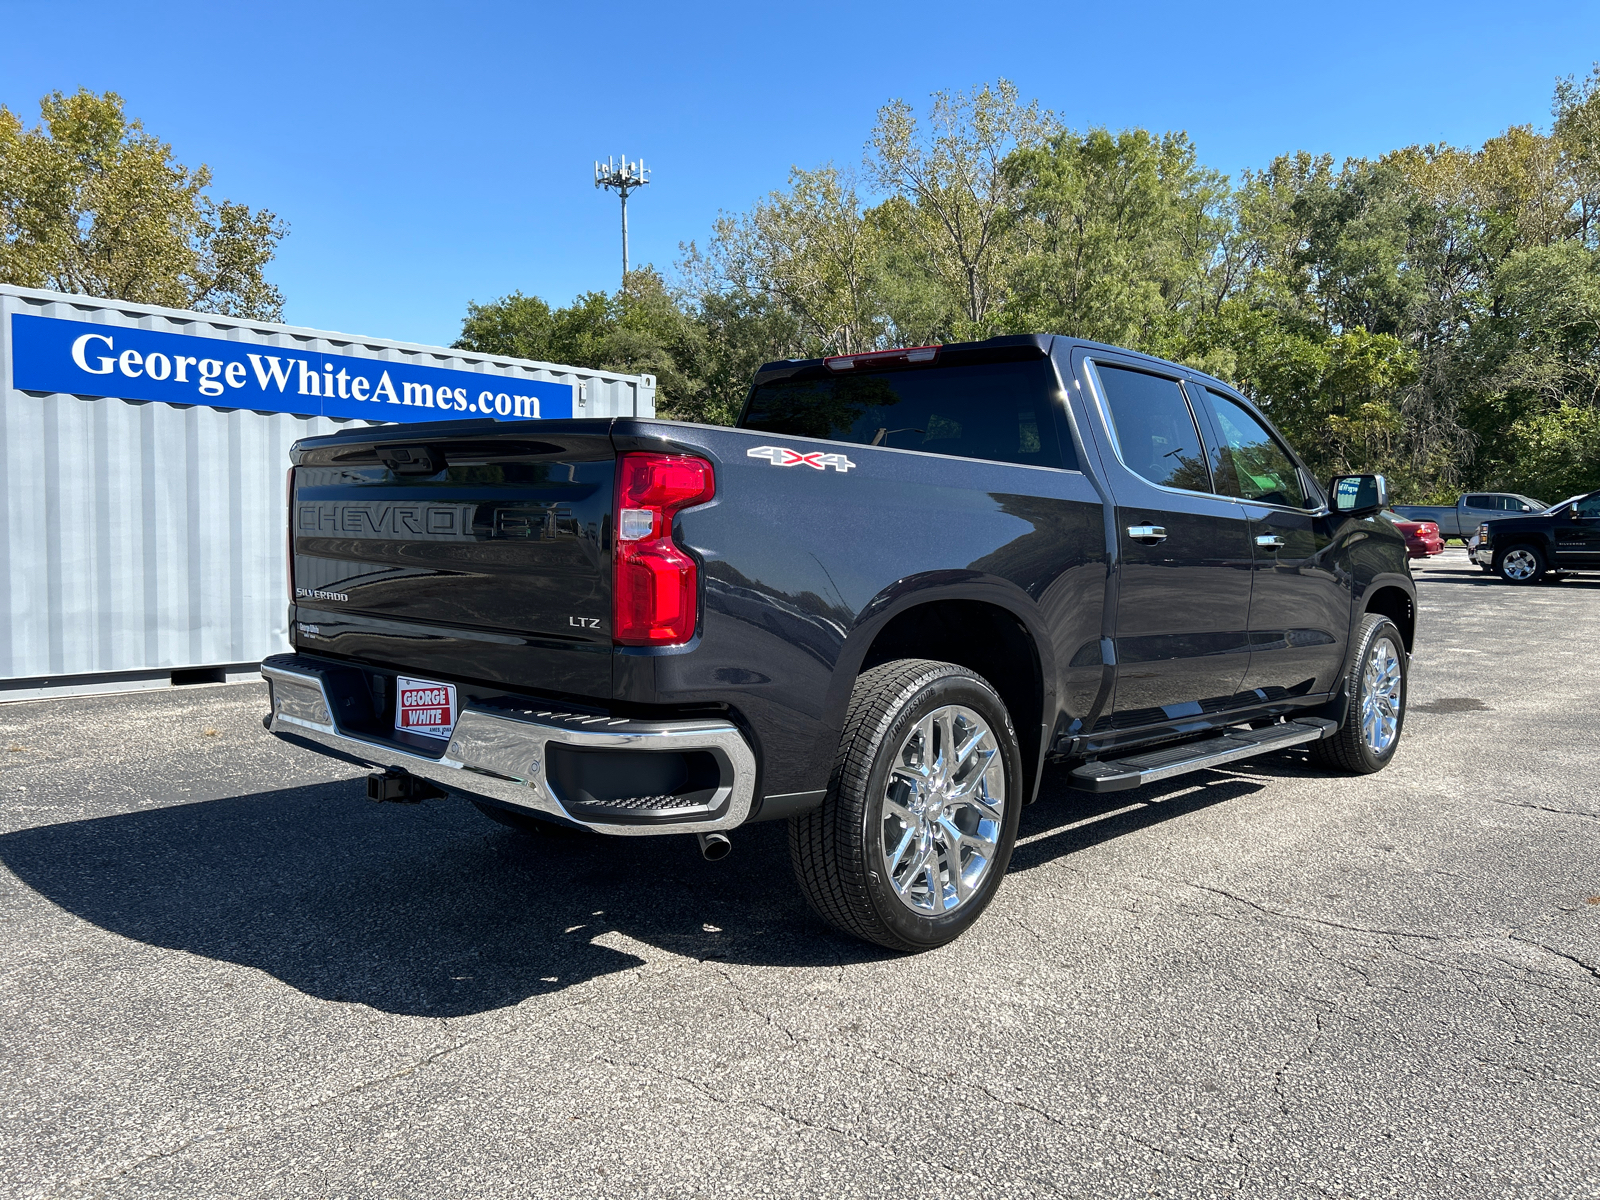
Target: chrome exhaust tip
(714, 847)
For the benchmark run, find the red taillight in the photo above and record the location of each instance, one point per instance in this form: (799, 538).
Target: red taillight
(288, 525)
(656, 589)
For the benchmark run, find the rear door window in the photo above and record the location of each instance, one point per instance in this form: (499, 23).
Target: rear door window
(1479, 502)
(1156, 433)
(1250, 463)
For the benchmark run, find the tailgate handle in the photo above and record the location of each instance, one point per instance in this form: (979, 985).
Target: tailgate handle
(412, 460)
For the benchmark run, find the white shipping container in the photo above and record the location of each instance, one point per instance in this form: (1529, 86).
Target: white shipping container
(142, 537)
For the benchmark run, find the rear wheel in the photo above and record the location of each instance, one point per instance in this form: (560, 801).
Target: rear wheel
(921, 814)
(1375, 683)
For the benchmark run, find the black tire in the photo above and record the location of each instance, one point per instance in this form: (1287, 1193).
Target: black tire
(1521, 564)
(1347, 751)
(838, 849)
(524, 822)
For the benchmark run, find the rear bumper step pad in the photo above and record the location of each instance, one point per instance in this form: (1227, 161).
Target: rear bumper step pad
(1117, 775)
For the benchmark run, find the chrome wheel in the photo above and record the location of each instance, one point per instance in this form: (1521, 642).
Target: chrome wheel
(1519, 564)
(1381, 696)
(943, 809)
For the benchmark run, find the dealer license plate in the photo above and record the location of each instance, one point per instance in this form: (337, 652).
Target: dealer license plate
(425, 707)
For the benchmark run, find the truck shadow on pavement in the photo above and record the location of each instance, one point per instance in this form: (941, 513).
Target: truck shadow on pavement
(1064, 821)
(427, 909)
(432, 910)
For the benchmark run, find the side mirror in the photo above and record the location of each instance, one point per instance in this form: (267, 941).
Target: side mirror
(1359, 495)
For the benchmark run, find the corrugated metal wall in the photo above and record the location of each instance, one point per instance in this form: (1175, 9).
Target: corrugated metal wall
(143, 536)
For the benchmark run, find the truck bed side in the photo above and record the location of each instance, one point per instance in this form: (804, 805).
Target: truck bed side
(494, 573)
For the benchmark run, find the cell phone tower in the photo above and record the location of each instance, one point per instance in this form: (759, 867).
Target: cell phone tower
(622, 179)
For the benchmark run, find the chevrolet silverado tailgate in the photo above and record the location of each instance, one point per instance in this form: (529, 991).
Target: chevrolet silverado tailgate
(464, 552)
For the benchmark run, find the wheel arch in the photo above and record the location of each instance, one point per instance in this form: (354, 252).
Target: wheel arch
(1532, 538)
(1398, 604)
(975, 624)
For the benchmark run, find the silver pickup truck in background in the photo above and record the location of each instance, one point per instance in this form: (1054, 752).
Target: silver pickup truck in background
(1462, 519)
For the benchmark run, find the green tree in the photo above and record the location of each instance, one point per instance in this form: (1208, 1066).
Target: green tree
(741, 333)
(961, 197)
(644, 329)
(813, 249)
(92, 204)
(1116, 235)
(1433, 313)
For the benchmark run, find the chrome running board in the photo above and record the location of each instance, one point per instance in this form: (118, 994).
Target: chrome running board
(1120, 774)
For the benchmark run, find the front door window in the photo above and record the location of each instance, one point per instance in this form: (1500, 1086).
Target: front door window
(1249, 463)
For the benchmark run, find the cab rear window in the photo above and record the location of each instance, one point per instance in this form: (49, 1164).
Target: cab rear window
(1004, 411)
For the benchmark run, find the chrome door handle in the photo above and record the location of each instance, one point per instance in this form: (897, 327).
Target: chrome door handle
(1147, 533)
(1271, 540)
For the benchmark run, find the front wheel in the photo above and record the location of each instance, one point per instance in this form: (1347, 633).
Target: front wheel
(915, 833)
(1521, 564)
(1375, 682)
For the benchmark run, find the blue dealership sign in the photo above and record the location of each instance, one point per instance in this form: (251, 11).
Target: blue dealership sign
(82, 358)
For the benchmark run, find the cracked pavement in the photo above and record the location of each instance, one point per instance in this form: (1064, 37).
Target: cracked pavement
(224, 973)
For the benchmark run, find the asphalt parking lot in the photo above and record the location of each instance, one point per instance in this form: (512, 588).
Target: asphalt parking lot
(224, 973)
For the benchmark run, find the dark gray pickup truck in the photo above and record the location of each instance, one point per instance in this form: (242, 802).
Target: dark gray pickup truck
(1461, 519)
(878, 608)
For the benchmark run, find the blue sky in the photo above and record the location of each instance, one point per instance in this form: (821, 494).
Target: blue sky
(426, 156)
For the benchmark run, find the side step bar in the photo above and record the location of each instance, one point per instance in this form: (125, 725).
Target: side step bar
(1120, 774)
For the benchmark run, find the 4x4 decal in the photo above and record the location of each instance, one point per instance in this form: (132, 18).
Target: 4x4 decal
(782, 456)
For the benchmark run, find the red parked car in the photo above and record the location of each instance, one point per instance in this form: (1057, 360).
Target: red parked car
(1422, 537)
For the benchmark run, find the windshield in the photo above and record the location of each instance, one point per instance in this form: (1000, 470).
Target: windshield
(1003, 411)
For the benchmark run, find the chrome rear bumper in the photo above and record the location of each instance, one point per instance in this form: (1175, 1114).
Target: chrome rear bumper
(503, 755)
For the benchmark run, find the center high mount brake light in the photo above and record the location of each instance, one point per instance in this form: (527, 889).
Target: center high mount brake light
(656, 587)
(912, 354)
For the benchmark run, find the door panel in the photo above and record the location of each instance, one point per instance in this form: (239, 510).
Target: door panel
(1299, 608)
(1183, 587)
(1182, 604)
(1578, 539)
